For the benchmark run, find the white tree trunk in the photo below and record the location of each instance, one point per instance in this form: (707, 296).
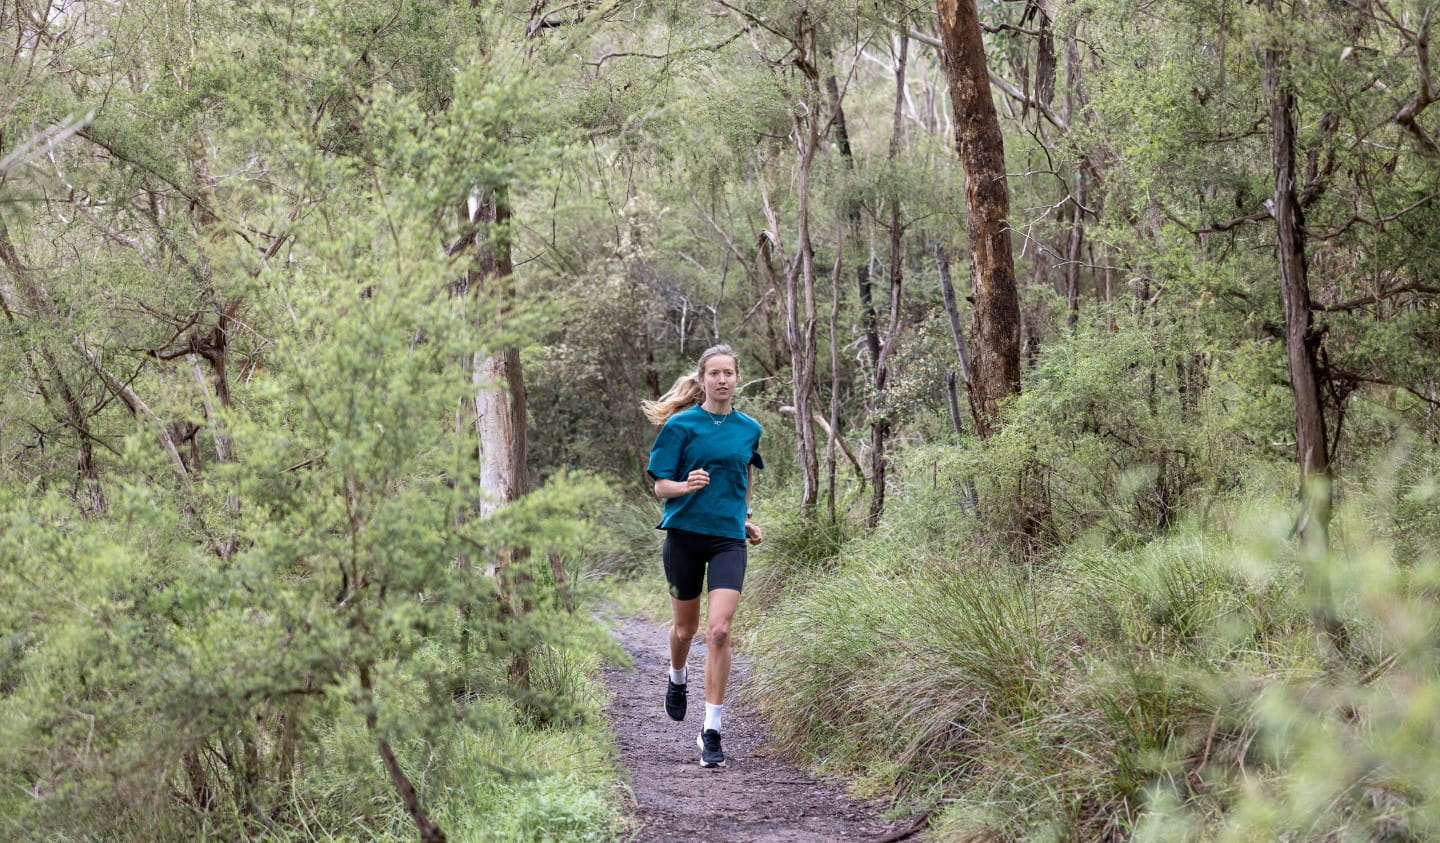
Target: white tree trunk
(500, 428)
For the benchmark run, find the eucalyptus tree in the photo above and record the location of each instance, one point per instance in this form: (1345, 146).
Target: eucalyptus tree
(628, 244)
(713, 161)
(995, 326)
(796, 51)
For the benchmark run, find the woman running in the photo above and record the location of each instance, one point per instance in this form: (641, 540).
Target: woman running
(701, 463)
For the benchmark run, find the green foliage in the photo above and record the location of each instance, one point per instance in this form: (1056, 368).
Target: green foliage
(1177, 108)
(636, 543)
(1116, 432)
(1168, 686)
(337, 605)
(1343, 751)
(240, 622)
(237, 495)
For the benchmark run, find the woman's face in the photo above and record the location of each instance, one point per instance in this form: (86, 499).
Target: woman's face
(719, 377)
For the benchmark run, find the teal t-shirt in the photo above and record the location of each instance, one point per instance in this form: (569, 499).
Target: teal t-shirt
(691, 439)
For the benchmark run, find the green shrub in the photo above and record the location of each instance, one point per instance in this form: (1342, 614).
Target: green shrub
(1167, 686)
(1120, 433)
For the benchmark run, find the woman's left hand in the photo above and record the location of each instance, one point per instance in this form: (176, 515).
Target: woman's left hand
(752, 533)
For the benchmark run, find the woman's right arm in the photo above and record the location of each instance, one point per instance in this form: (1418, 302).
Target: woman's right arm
(694, 482)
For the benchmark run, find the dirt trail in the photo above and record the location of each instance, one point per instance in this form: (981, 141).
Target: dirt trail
(753, 798)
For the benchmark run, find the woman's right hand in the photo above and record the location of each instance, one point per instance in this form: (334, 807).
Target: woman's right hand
(697, 480)
(693, 482)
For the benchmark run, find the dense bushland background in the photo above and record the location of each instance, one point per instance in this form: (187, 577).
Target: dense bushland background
(325, 330)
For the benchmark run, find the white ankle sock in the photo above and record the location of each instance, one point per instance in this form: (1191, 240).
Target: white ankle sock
(712, 716)
(678, 675)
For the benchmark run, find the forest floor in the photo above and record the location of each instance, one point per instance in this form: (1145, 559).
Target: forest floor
(755, 797)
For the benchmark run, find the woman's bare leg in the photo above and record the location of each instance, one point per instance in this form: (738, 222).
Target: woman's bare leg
(686, 620)
(722, 605)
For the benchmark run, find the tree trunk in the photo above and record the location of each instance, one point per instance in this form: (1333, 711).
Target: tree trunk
(841, 128)
(957, 334)
(499, 408)
(947, 293)
(852, 221)
(807, 121)
(213, 345)
(1074, 108)
(499, 380)
(60, 397)
(1301, 344)
(880, 428)
(867, 312)
(833, 433)
(1072, 254)
(500, 428)
(995, 324)
(800, 325)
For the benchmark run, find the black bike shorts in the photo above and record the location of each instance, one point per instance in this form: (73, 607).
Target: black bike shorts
(687, 556)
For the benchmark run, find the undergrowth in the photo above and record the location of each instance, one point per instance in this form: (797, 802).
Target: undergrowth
(1156, 684)
(490, 762)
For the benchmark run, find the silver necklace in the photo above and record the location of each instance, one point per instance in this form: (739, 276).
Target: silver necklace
(714, 420)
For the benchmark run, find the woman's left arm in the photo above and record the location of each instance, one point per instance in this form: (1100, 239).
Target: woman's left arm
(752, 532)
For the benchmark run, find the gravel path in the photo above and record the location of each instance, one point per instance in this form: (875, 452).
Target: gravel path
(753, 798)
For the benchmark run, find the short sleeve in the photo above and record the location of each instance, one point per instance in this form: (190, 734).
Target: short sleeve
(665, 453)
(755, 459)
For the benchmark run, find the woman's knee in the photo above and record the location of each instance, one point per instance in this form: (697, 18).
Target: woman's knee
(717, 633)
(685, 630)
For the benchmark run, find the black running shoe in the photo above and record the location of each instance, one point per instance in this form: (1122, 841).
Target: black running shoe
(711, 755)
(675, 701)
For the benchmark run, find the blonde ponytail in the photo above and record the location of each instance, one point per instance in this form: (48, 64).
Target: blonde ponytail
(687, 391)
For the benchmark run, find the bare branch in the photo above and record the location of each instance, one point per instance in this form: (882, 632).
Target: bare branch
(1379, 221)
(1009, 27)
(1215, 228)
(724, 236)
(1019, 96)
(137, 406)
(819, 420)
(1376, 298)
(758, 22)
(45, 142)
(707, 48)
(924, 38)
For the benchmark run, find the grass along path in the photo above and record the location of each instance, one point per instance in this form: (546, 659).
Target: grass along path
(753, 798)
